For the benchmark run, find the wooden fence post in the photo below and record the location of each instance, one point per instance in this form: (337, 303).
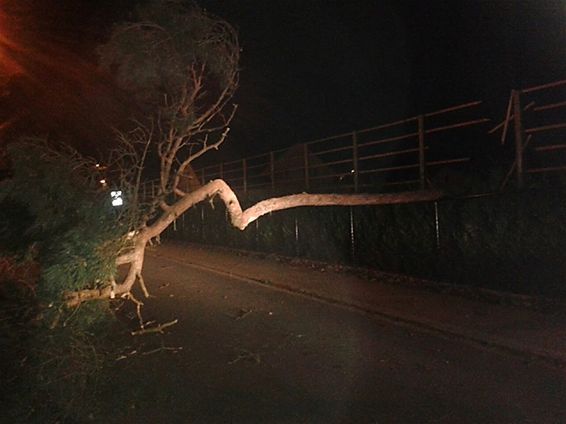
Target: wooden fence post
(518, 126)
(422, 163)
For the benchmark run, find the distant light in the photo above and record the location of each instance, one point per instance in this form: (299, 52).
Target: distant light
(116, 196)
(103, 182)
(97, 165)
(352, 171)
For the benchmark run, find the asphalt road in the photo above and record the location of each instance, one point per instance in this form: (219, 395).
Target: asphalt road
(253, 354)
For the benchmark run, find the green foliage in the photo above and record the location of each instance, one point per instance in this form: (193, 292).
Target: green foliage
(511, 242)
(71, 363)
(15, 219)
(53, 211)
(56, 374)
(54, 208)
(153, 56)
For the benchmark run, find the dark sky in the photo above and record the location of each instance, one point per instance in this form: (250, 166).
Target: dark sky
(314, 68)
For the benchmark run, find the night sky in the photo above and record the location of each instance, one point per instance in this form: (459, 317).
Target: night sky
(310, 68)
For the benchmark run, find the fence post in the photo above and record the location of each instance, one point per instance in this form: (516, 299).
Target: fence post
(352, 236)
(296, 236)
(355, 159)
(272, 170)
(306, 164)
(257, 235)
(437, 225)
(422, 163)
(518, 126)
(245, 175)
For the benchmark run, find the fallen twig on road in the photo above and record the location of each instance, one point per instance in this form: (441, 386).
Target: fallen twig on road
(163, 348)
(246, 355)
(157, 329)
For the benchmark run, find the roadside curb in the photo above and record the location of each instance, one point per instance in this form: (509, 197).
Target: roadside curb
(552, 358)
(470, 292)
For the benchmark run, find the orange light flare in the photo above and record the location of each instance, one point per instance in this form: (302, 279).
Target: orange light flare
(9, 48)
(25, 51)
(56, 82)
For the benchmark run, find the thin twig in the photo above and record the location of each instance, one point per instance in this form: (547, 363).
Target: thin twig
(163, 348)
(143, 286)
(157, 329)
(246, 355)
(139, 304)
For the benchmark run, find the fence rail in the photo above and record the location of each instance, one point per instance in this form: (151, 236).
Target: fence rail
(409, 152)
(413, 152)
(400, 153)
(536, 128)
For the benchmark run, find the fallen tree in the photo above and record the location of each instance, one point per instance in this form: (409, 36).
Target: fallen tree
(239, 219)
(182, 66)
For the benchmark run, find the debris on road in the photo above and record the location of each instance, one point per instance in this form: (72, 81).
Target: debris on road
(157, 329)
(246, 355)
(241, 314)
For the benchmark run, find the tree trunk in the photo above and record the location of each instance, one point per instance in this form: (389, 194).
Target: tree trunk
(239, 219)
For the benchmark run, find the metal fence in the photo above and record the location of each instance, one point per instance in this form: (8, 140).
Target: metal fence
(408, 153)
(401, 153)
(538, 122)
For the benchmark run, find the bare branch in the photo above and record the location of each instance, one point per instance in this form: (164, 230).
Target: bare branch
(143, 286)
(125, 258)
(241, 219)
(157, 329)
(201, 152)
